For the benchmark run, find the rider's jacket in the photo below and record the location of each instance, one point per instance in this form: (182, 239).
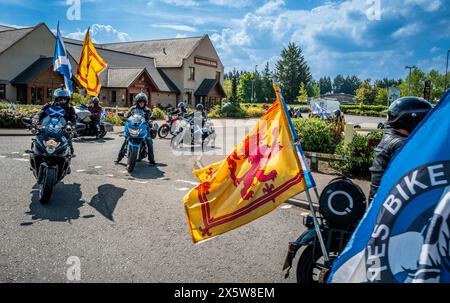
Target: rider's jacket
(96, 110)
(384, 152)
(50, 108)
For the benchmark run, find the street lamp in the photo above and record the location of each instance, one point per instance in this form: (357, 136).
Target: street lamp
(253, 85)
(446, 72)
(409, 80)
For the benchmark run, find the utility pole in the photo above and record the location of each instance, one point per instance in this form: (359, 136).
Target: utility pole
(409, 80)
(446, 72)
(253, 84)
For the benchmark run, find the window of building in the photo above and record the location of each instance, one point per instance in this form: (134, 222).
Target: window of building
(218, 74)
(2, 91)
(191, 73)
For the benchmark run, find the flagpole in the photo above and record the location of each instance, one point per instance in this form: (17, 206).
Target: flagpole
(308, 195)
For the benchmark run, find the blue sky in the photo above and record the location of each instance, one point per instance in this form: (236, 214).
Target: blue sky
(369, 38)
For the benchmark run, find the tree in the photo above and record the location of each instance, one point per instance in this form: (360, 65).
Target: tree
(268, 93)
(302, 94)
(325, 85)
(382, 95)
(437, 84)
(291, 70)
(245, 87)
(365, 94)
(338, 84)
(234, 76)
(227, 83)
(416, 82)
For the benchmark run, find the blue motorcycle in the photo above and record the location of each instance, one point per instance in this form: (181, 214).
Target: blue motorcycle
(136, 132)
(50, 153)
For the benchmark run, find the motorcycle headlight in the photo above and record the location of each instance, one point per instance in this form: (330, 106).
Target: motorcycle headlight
(51, 145)
(135, 132)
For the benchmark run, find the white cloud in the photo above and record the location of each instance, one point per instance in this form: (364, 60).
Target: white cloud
(104, 33)
(408, 30)
(178, 27)
(426, 5)
(270, 7)
(231, 3)
(435, 49)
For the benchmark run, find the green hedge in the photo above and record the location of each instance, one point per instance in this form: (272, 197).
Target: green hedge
(12, 119)
(375, 108)
(360, 153)
(315, 135)
(369, 113)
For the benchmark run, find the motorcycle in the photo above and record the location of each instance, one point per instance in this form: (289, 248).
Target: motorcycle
(135, 133)
(50, 153)
(341, 206)
(170, 126)
(84, 125)
(194, 131)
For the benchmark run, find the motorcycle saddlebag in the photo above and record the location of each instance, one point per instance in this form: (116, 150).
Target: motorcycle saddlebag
(342, 202)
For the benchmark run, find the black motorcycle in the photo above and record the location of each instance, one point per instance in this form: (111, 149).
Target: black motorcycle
(50, 154)
(341, 206)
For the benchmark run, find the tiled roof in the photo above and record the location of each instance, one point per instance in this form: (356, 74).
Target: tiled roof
(116, 59)
(33, 71)
(167, 52)
(122, 77)
(207, 85)
(9, 37)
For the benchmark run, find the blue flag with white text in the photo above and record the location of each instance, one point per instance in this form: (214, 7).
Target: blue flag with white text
(61, 62)
(405, 234)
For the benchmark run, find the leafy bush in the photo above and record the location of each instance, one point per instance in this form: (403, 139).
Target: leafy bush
(369, 113)
(363, 107)
(114, 119)
(255, 112)
(359, 153)
(315, 135)
(78, 99)
(12, 119)
(233, 110)
(158, 113)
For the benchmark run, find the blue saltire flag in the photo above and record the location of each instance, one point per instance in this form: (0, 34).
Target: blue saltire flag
(61, 62)
(405, 236)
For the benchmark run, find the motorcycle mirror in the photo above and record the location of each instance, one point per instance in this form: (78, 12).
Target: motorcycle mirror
(26, 121)
(121, 115)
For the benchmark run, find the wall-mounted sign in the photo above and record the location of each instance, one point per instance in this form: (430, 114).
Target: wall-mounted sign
(206, 62)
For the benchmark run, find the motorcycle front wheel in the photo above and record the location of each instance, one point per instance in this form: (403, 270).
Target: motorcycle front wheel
(164, 131)
(46, 187)
(132, 158)
(310, 269)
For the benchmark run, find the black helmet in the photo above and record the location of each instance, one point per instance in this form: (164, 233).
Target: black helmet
(61, 96)
(139, 98)
(95, 100)
(406, 113)
(200, 107)
(181, 105)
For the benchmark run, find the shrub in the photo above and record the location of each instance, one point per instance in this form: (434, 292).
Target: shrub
(158, 113)
(315, 135)
(359, 154)
(78, 99)
(12, 119)
(255, 112)
(233, 110)
(114, 119)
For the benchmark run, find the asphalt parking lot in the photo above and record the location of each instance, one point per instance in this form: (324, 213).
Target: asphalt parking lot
(129, 227)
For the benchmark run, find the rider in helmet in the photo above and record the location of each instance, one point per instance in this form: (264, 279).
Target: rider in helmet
(140, 103)
(61, 103)
(403, 117)
(96, 110)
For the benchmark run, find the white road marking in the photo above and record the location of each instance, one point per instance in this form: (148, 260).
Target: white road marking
(81, 170)
(164, 178)
(182, 189)
(188, 182)
(286, 206)
(97, 167)
(110, 175)
(20, 159)
(25, 155)
(2, 157)
(140, 182)
(123, 172)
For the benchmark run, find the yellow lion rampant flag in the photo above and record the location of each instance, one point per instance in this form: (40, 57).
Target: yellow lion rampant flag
(261, 173)
(90, 66)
